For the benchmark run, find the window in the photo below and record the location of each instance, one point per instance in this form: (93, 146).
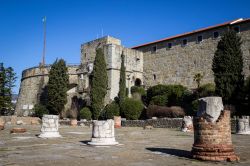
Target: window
(154, 48)
(169, 45)
(216, 35)
(184, 42)
(154, 77)
(237, 29)
(199, 39)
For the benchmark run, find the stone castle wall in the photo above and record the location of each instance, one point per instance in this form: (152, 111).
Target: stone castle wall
(179, 64)
(32, 81)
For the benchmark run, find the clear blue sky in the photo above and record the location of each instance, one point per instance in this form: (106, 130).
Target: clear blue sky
(73, 22)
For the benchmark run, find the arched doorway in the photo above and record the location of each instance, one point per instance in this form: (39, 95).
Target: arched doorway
(137, 82)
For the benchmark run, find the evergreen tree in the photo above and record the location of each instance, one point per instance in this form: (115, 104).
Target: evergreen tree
(122, 83)
(99, 84)
(227, 67)
(57, 87)
(7, 82)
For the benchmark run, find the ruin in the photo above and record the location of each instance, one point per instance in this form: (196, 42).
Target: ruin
(103, 133)
(50, 127)
(242, 125)
(212, 132)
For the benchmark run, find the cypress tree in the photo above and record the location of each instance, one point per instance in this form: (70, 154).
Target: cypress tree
(122, 83)
(227, 67)
(7, 82)
(99, 84)
(57, 87)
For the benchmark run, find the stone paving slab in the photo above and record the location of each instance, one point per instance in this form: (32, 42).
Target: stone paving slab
(137, 147)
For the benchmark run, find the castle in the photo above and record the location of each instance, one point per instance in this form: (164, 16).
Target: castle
(173, 60)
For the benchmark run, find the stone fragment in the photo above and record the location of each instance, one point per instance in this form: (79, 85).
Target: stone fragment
(1, 126)
(242, 125)
(18, 130)
(210, 108)
(49, 126)
(154, 118)
(103, 133)
(187, 124)
(148, 127)
(19, 122)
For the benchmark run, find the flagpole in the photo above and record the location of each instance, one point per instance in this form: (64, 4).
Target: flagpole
(44, 40)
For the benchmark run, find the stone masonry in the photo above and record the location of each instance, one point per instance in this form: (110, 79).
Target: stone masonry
(178, 63)
(50, 126)
(103, 133)
(212, 139)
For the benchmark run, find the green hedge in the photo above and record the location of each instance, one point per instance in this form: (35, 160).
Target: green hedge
(131, 108)
(40, 110)
(174, 93)
(137, 89)
(111, 110)
(160, 100)
(85, 113)
(206, 90)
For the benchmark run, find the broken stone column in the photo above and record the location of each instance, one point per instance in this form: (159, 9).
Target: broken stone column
(103, 133)
(242, 125)
(212, 132)
(49, 126)
(118, 121)
(187, 124)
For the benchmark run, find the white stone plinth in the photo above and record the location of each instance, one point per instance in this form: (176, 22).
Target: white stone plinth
(49, 127)
(103, 133)
(187, 124)
(243, 125)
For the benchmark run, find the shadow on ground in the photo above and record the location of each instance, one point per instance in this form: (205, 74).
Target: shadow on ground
(85, 142)
(174, 152)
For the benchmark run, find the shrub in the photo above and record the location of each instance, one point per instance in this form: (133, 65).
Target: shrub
(111, 110)
(161, 112)
(131, 108)
(195, 105)
(160, 100)
(206, 90)
(85, 113)
(137, 89)
(174, 93)
(40, 110)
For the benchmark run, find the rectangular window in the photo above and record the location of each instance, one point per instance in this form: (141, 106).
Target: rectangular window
(184, 42)
(199, 39)
(169, 45)
(154, 48)
(237, 29)
(216, 35)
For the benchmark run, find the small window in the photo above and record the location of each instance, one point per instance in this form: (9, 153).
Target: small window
(154, 48)
(154, 77)
(184, 42)
(85, 55)
(199, 39)
(237, 29)
(216, 35)
(169, 45)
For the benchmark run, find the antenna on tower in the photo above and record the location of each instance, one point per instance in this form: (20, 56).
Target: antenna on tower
(44, 40)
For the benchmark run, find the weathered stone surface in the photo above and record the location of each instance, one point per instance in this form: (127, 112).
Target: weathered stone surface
(210, 108)
(18, 130)
(19, 122)
(212, 141)
(243, 125)
(187, 124)
(49, 126)
(103, 133)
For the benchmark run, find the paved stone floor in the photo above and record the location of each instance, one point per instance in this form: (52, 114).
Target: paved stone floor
(137, 147)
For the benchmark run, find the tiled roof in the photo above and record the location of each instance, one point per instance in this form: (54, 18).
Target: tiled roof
(195, 31)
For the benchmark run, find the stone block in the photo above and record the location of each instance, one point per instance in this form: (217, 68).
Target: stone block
(210, 108)
(49, 127)
(242, 125)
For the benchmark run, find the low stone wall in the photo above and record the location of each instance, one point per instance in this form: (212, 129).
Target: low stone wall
(26, 120)
(156, 123)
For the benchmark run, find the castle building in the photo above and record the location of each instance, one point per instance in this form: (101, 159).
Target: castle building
(173, 60)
